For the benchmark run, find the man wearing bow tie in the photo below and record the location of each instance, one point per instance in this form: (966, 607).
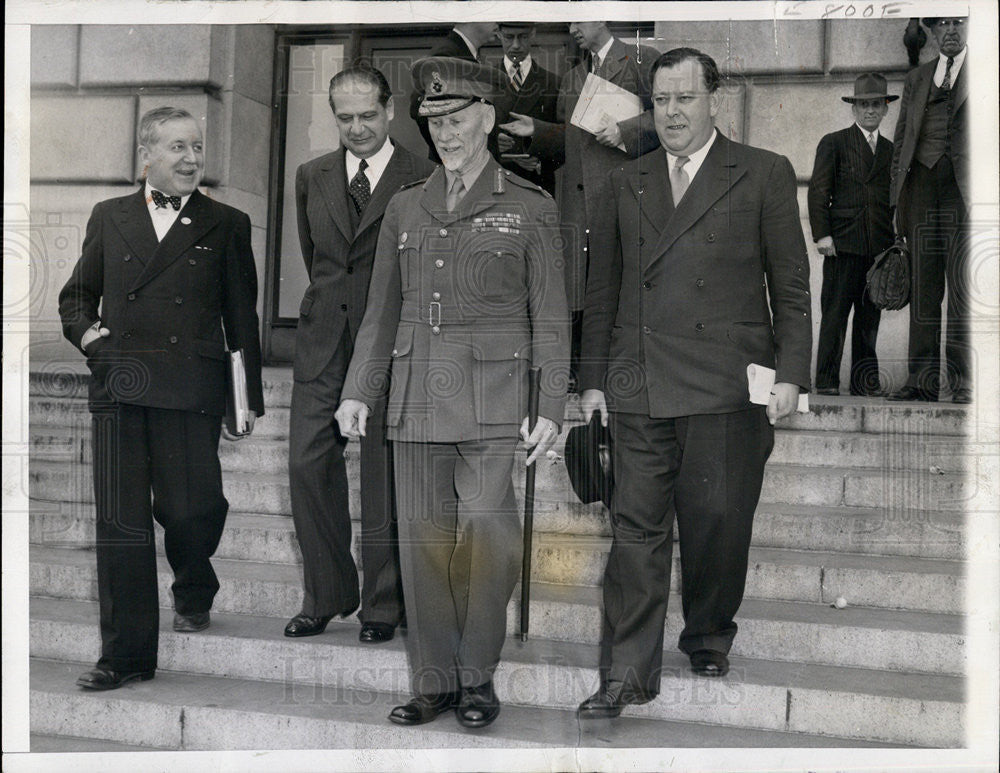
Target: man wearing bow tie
(340, 199)
(931, 192)
(166, 282)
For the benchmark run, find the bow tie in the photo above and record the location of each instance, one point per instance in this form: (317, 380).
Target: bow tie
(162, 201)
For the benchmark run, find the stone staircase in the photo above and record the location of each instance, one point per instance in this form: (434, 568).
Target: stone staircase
(862, 500)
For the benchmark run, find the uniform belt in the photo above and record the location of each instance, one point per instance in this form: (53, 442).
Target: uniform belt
(436, 315)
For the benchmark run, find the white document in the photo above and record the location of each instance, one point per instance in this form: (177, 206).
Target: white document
(761, 381)
(600, 102)
(237, 396)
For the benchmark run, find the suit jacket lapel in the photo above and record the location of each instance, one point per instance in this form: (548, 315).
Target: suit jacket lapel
(531, 90)
(614, 62)
(193, 221)
(718, 173)
(333, 183)
(433, 197)
(961, 87)
(650, 188)
(136, 226)
(397, 171)
(883, 156)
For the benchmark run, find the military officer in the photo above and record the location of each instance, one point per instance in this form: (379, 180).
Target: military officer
(470, 296)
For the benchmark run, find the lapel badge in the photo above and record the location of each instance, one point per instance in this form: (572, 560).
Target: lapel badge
(186, 220)
(402, 237)
(437, 85)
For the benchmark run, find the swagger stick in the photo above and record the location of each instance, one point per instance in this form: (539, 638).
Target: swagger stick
(529, 503)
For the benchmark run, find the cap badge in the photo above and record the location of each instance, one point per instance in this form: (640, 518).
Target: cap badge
(437, 86)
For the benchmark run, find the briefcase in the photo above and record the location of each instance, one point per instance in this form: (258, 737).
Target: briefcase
(888, 280)
(588, 461)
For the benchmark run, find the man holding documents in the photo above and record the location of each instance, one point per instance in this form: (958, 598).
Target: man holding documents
(699, 271)
(164, 271)
(615, 76)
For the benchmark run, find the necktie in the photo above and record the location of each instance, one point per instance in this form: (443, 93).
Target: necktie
(679, 180)
(946, 81)
(162, 200)
(360, 188)
(872, 141)
(517, 79)
(456, 193)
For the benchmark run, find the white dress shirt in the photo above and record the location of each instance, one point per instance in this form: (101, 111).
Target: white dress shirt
(376, 164)
(694, 161)
(163, 217)
(870, 137)
(598, 57)
(510, 67)
(942, 65)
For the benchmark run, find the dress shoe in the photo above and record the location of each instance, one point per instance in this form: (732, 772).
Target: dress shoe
(962, 396)
(423, 708)
(303, 625)
(601, 705)
(828, 391)
(478, 706)
(376, 633)
(106, 679)
(199, 621)
(709, 663)
(908, 393)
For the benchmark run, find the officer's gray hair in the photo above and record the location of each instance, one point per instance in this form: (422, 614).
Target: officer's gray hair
(150, 123)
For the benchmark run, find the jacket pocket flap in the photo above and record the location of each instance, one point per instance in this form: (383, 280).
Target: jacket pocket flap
(503, 346)
(306, 305)
(211, 349)
(404, 341)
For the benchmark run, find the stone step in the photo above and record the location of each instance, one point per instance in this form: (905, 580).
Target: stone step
(183, 711)
(808, 448)
(844, 414)
(895, 582)
(898, 492)
(267, 537)
(924, 709)
(776, 630)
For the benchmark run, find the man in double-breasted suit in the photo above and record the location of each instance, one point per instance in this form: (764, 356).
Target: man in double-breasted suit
(340, 199)
(851, 223)
(699, 270)
(163, 272)
(530, 91)
(589, 158)
(470, 296)
(931, 192)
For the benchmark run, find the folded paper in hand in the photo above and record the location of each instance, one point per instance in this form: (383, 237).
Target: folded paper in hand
(602, 102)
(237, 398)
(761, 381)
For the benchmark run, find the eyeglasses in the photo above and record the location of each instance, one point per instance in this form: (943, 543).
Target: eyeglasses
(950, 23)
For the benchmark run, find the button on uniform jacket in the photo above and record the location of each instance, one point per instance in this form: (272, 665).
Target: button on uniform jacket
(461, 305)
(338, 258)
(165, 304)
(849, 193)
(681, 300)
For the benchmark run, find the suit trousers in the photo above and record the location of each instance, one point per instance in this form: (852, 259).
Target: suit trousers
(705, 470)
(460, 554)
(843, 289)
(936, 225)
(320, 509)
(174, 455)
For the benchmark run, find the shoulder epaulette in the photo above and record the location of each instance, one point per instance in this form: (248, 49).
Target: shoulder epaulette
(405, 186)
(522, 183)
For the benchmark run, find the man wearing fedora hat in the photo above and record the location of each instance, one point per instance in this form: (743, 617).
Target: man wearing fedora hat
(471, 295)
(851, 223)
(931, 192)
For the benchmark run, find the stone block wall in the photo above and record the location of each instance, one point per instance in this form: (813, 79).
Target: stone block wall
(90, 84)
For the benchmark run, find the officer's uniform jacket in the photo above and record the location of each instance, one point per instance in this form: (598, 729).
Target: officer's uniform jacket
(461, 304)
(165, 304)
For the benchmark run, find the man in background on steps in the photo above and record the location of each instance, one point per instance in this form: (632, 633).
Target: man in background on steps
(163, 272)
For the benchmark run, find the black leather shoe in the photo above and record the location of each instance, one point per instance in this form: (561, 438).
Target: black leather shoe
(828, 391)
(106, 679)
(709, 663)
(303, 625)
(962, 396)
(601, 705)
(376, 633)
(423, 708)
(908, 393)
(478, 706)
(199, 621)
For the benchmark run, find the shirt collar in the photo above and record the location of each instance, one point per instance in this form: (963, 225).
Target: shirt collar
(865, 132)
(600, 55)
(469, 177)
(376, 163)
(959, 58)
(472, 48)
(525, 66)
(695, 159)
(153, 207)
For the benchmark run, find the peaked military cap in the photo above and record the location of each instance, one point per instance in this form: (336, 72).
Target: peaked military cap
(449, 84)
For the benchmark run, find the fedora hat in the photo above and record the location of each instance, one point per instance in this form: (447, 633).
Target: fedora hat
(870, 85)
(588, 461)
